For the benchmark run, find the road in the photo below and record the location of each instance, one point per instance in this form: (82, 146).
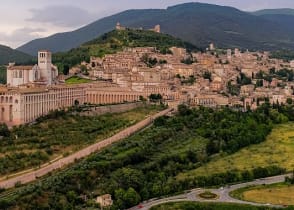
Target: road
(223, 194)
(33, 175)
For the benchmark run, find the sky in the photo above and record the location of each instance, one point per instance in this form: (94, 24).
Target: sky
(25, 20)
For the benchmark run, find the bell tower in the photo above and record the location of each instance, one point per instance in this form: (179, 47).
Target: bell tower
(45, 65)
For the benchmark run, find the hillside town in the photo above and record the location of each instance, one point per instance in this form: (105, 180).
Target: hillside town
(216, 77)
(213, 78)
(147, 105)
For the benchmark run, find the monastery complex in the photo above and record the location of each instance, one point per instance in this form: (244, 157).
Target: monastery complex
(212, 78)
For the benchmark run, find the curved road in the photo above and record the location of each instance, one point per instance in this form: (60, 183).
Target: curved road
(223, 194)
(33, 175)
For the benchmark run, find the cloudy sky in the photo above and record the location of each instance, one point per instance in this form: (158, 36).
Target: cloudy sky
(22, 21)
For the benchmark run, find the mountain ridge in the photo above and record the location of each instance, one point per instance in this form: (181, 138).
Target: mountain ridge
(8, 54)
(281, 11)
(197, 23)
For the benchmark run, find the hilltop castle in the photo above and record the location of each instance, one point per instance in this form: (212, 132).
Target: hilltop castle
(155, 29)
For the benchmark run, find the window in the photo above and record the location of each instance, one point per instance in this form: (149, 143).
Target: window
(20, 74)
(36, 75)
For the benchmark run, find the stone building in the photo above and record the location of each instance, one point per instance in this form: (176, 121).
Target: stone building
(104, 200)
(42, 73)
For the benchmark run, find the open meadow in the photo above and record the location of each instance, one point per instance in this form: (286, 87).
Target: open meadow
(278, 149)
(278, 194)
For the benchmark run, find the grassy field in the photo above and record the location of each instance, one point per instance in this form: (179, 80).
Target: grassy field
(207, 206)
(278, 149)
(27, 147)
(77, 80)
(279, 194)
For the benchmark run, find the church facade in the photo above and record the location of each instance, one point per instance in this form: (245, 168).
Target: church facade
(42, 73)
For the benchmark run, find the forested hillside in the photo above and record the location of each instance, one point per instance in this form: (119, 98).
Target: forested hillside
(115, 41)
(9, 55)
(146, 165)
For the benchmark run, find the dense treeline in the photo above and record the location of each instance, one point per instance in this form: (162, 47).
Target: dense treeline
(3, 73)
(115, 41)
(146, 165)
(211, 206)
(286, 55)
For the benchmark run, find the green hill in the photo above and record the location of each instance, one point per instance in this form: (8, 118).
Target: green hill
(9, 55)
(115, 41)
(196, 23)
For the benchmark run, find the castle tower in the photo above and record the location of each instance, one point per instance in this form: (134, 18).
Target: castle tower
(211, 47)
(45, 65)
(119, 27)
(229, 54)
(157, 29)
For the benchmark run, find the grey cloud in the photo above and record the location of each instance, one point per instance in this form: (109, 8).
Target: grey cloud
(20, 35)
(61, 15)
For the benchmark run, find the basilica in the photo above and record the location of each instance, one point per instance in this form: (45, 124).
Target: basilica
(34, 91)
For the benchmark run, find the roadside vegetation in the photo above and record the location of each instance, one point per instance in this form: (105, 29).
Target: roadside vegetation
(146, 165)
(59, 134)
(210, 206)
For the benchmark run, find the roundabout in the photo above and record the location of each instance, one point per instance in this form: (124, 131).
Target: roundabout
(207, 195)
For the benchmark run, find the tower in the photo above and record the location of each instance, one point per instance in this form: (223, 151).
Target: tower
(45, 65)
(157, 29)
(229, 54)
(211, 47)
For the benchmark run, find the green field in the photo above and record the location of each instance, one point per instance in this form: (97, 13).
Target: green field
(27, 147)
(278, 194)
(77, 80)
(208, 206)
(278, 149)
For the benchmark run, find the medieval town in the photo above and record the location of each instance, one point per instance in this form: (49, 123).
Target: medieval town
(216, 77)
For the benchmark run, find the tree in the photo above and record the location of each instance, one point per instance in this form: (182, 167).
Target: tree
(259, 83)
(243, 79)
(155, 97)
(4, 131)
(289, 101)
(65, 69)
(187, 61)
(76, 102)
(141, 98)
(207, 75)
(131, 197)
(184, 110)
